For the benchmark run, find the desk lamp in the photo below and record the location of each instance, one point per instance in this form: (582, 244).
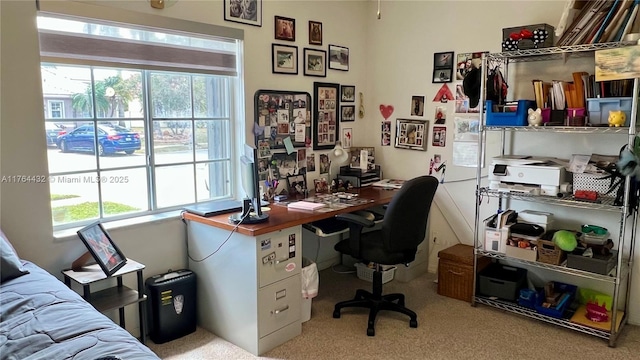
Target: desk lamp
(337, 157)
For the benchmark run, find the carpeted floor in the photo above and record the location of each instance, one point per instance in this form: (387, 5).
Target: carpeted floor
(447, 329)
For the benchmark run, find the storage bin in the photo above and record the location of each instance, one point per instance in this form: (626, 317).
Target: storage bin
(528, 254)
(518, 118)
(455, 271)
(528, 298)
(549, 253)
(599, 109)
(501, 281)
(559, 310)
(528, 43)
(366, 273)
(594, 182)
(599, 264)
(544, 219)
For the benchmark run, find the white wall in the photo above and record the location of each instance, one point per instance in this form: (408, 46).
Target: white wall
(391, 60)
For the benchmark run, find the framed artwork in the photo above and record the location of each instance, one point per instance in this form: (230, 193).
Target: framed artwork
(417, 105)
(411, 134)
(348, 113)
(243, 11)
(315, 62)
(315, 33)
(280, 115)
(442, 67)
(348, 93)
(285, 28)
(326, 105)
(297, 184)
(102, 248)
(284, 59)
(338, 58)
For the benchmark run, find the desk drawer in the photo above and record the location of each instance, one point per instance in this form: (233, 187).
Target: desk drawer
(279, 255)
(279, 305)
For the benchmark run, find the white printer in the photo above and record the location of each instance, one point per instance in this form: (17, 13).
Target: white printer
(528, 174)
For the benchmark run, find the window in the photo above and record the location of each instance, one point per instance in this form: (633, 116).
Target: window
(56, 109)
(134, 138)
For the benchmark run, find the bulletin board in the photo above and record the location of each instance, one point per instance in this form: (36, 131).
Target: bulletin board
(283, 114)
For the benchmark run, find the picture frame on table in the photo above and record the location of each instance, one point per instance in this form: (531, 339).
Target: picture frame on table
(347, 113)
(315, 33)
(105, 252)
(326, 107)
(412, 134)
(338, 57)
(315, 62)
(284, 59)
(247, 12)
(443, 67)
(297, 184)
(285, 28)
(348, 93)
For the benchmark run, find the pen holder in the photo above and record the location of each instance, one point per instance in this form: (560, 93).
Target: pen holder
(557, 117)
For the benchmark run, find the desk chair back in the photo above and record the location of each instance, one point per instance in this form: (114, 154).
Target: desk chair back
(405, 221)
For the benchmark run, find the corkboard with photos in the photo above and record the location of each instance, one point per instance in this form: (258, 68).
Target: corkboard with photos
(283, 114)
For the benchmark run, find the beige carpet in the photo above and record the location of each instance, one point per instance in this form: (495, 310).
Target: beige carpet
(447, 329)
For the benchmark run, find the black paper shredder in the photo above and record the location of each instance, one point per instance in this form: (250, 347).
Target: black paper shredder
(172, 305)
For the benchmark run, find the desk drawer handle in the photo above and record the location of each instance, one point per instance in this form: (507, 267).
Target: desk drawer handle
(282, 260)
(278, 311)
(456, 273)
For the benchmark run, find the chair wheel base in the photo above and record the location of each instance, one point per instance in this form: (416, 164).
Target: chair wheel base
(371, 332)
(413, 323)
(336, 314)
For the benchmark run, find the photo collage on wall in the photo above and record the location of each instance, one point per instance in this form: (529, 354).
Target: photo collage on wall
(327, 116)
(386, 133)
(283, 115)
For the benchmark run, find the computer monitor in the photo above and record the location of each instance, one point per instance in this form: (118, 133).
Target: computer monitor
(251, 210)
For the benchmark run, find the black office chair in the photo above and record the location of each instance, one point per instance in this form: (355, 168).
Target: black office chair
(403, 229)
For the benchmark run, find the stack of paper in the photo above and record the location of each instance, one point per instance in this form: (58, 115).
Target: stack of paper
(305, 205)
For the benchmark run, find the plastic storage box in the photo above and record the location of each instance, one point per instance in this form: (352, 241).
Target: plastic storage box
(172, 305)
(527, 42)
(599, 264)
(517, 118)
(559, 310)
(502, 281)
(455, 271)
(366, 273)
(599, 109)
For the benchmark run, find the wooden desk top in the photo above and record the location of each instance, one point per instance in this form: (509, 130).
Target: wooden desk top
(280, 217)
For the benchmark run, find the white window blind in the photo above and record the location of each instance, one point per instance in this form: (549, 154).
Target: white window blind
(101, 42)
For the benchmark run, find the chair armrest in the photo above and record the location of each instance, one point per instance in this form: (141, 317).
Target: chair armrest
(355, 219)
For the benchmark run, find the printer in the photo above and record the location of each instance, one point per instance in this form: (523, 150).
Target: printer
(528, 174)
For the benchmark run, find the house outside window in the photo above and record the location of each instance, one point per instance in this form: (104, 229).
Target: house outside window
(136, 139)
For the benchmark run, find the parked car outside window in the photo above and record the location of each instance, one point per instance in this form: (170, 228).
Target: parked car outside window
(111, 139)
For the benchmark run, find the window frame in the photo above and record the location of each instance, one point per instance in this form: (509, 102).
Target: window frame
(50, 104)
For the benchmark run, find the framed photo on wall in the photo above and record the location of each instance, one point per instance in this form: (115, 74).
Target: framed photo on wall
(348, 93)
(243, 11)
(284, 59)
(315, 62)
(338, 57)
(348, 113)
(315, 33)
(102, 248)
(326, 107)
(412, 134)
(285, 28)
(442, 67)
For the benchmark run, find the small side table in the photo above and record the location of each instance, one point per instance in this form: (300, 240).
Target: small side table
(115, 297)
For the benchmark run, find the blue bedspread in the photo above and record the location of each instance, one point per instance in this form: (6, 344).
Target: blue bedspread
(41, 318)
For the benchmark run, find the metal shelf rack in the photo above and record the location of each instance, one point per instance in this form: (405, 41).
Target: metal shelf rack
(620, 277)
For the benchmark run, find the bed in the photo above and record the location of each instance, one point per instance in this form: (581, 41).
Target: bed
(41, 318)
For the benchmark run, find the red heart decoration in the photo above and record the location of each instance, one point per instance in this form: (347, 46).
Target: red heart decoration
(514, 36)
(526, 34)
(386, 111)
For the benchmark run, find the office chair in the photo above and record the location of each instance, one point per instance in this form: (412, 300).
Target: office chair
(403, 229)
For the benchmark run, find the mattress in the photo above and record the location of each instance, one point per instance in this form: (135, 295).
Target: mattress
(41, 318)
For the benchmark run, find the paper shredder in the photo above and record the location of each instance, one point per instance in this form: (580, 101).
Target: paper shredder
(172, 300)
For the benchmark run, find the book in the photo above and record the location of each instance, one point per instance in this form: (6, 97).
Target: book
(606, 20)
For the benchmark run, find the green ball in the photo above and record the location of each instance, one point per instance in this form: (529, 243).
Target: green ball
(566, 240)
